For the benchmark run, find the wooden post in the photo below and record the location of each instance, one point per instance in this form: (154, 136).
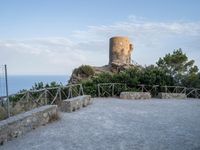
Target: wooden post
(196, 93)
(59, 92)
(82, 89)
(184, 90)
(45, 96)
(113, 86)
(98, 90)
(8, 101)
(27, 96)
(70, 92)
(165, 89)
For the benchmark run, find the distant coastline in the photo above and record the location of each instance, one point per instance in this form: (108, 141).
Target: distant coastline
(19, 82)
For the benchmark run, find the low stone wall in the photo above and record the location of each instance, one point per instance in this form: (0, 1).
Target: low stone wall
(76, 103)
(172, 95)
(135, 95)
(20, 124)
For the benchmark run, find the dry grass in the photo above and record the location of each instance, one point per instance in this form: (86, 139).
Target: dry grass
(3, 114)
(54, 117)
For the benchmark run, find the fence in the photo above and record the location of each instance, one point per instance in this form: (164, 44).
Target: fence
(110, 89)
(30, 99)
(193, 92)
(49, 95)
(54, 95)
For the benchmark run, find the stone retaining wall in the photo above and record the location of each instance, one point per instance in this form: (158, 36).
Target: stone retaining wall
(172, 95)
(135, 95)
(20, 124)
(76, 103)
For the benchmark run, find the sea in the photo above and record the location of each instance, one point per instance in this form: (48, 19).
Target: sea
(20, 82)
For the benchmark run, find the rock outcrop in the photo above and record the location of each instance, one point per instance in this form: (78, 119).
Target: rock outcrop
(120, 50)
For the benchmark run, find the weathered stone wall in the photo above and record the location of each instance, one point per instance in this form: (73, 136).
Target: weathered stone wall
(20, 124)
(73, 104)
(172, 95)
(120, 50)
(135, 95)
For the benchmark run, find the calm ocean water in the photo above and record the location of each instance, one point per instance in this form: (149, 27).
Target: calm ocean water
(19, 82)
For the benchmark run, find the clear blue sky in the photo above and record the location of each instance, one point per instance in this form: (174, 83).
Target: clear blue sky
(70, 21)
(33, 18)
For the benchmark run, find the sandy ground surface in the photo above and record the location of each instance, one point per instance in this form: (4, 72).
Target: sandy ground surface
(114, 124)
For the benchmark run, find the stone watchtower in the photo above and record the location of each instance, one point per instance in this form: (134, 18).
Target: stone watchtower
(120, 51)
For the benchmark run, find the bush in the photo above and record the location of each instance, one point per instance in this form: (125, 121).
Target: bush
(132, 77)
(84, 70)
(89, 88)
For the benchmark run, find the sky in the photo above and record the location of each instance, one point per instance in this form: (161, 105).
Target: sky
(52, 37)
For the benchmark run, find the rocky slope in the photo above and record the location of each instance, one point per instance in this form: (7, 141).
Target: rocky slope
(85, 71)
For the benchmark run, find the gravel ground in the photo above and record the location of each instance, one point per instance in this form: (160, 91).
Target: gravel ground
(114, 124)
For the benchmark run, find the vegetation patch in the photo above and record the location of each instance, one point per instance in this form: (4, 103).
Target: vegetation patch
(54, 117)
(173, 69)
(84, 70)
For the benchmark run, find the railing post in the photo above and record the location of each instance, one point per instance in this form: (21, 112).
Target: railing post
(165, 89)
(70, 92)
(27, 96)
(59, 92)
(81, 90)
(196, 93)
(45, 96)
(184, 90)
(98, 86)
(142, 88)
(7, 100)
(156, 90)
(113, 86)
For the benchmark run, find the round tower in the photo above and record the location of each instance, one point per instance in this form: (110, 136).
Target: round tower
(120, 50)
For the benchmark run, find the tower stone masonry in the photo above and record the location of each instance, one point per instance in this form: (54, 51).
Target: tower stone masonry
(120, 50)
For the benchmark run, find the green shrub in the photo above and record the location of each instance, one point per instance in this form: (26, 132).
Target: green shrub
(132, 77)
(84, 70)
(89, 88)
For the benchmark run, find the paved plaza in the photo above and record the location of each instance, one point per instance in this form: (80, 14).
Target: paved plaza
(115, 124)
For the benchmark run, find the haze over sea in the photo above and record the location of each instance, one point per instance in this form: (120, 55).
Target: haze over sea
(19, 82)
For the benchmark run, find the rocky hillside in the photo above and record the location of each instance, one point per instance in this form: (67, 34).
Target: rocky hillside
(85, 71)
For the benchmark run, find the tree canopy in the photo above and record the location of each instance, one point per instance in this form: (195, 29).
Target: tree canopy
(178, 66)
